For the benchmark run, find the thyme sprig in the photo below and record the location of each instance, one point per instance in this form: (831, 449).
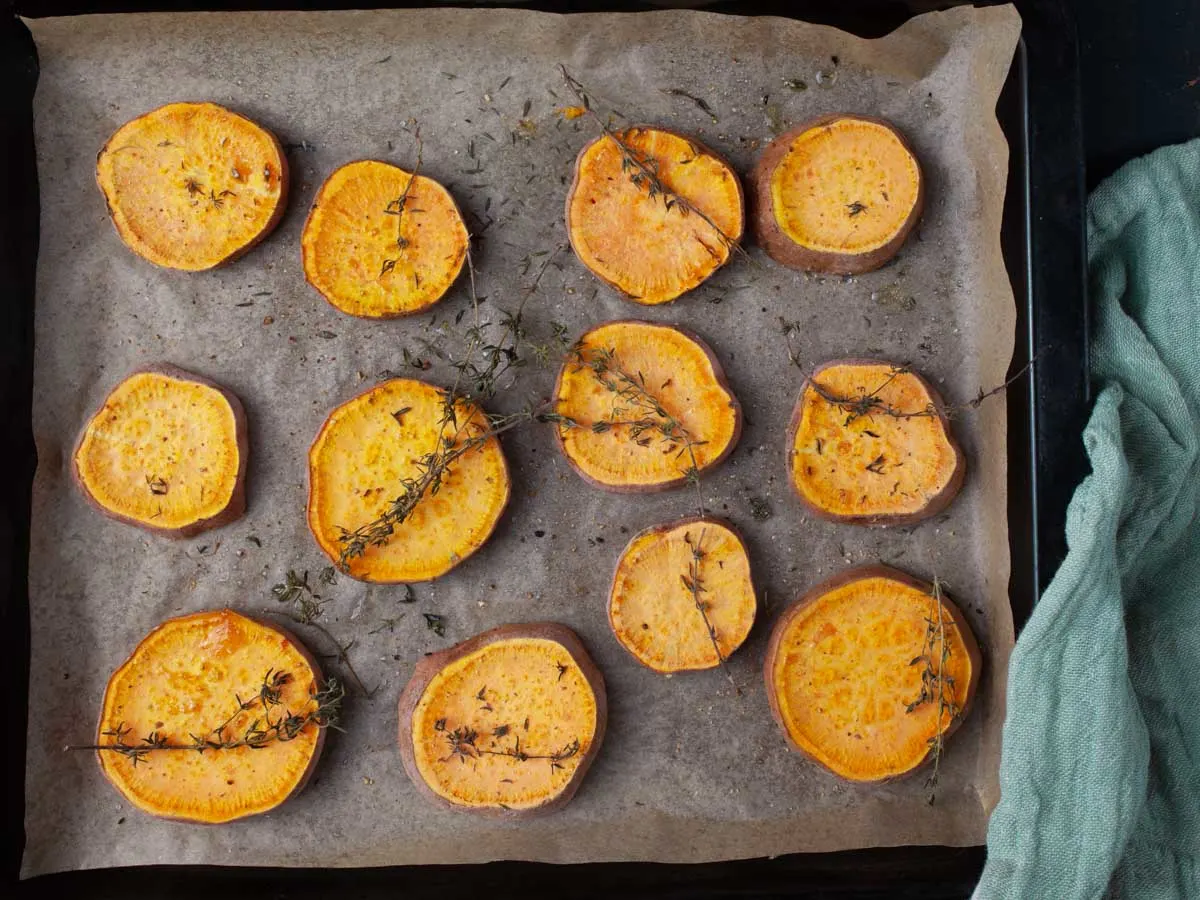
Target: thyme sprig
(477, 378)
(937, 687)
(308, 606)
(432, 470)
(869, 403)
(643, 172)
(695, 587)
(497, 357)
(463, 746)
(399, 205)
(636, 408)
(272, 722)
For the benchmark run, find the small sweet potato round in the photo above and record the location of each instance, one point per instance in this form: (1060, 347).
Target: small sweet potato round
(646, 246)
(505, 724)
(166, 451)
(184, 681)
(652, 607)
(613, 385)
(381, 242)
(892, 460)
(838, 194)
(193, 185)
(365, 453)
(844, 673)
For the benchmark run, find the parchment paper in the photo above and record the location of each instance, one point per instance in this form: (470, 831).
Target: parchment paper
(689, 771)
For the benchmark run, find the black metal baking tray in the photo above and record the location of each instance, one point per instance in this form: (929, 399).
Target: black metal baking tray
(1044, 251)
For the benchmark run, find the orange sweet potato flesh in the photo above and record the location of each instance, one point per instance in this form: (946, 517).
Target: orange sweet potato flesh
(837, 194)
(184, 679)
(649, 252)
(193, 185)
(376, 247)
(652, 610)
(873, 468)
(505, 724)
(364, 452)
(840, 674)
(675, 368)
(167, 452)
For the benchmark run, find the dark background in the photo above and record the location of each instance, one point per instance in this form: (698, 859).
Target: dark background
(1139, 67)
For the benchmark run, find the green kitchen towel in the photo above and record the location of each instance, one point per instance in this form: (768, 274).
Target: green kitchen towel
(1100, 773)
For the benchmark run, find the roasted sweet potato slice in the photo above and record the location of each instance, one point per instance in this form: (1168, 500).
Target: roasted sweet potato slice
(374, 447)
(869, 672)
(640, 239)
(381, 242)
(662, 575)
(193, 185)
(641, 405)
(837, 194)
(166, 451)
(506, 723)
(213, 678)
(870, 443)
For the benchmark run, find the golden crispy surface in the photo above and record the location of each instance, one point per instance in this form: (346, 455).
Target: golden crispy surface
(161, 451)
(184, 679)
(844, 679)
(670, 367)
(191, 184)
(633, 241)
(365, 451)
(517, 696)
(374, 250)
(844, 187)
(875, 464)
(653, 611)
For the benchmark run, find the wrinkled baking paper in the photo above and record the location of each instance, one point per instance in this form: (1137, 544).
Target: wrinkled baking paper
(688, 771)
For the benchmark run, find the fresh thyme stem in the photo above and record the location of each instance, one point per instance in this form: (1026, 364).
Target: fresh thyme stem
(936, 686)
(275, 724)
(645, 173)
(652, 418)
(695, 587)
(397, 207)
(455, 438)
(868, 404)
(309, 606)
(432, 468)
(502, 354)
(464, 746)
(693, 477)
(341, 652)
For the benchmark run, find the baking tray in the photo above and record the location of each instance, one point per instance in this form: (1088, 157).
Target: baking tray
(1044, 251)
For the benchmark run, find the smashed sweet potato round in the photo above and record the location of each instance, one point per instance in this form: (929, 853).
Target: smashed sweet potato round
(381, 242)
(870, 444)
(837, 194)
(661, 577)
(193, 185)
(167, 452)
(393, 441)
(869, 673)
(504, 724)
(640, 406)
(641, 230)
(213, 678)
